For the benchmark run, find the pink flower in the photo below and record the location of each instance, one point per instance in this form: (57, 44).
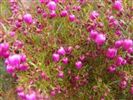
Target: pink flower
(127, 43)
(12, 34)
(51, 5)
(71, 18)
(94, 15)
(42, 1)
(111, 69)
(31, 96)
(123, 84)
(78, 64)
(65, 60)
(111, 52)
(61, 51)
(118, 5)
(60, 74)
(28, 18)
(14, 60)
(56, 57)
(10, 69)
(63, 13)
(119, 61)
(93, 34)
(100, 39)
(131, 90)
(52, 14)
(118, 43)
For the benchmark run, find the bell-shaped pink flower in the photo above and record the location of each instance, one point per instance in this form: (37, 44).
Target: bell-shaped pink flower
(111, 69)
(93, 34)
(31, 96)
(10, 69)
(94, 15)
(111, 52)
(100, 39)
(118, 5)
(127, 43)
(65, 60)
(118, 43)
(71, 18)
(56, 57)
(28, 18)
(51, 5)
(61, 51)
(60, 74)
(64, 13)
(78, 64)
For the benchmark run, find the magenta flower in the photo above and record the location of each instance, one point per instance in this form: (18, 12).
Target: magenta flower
(31, 96)
(123, 84)
(93, 34)
(28, 18)
(65, 60)
(52, 14)
(111, 52)
(94, 15)
(119, 61)
(64, 13)
(14, 60)
(131, 90)
(78, 64)
(118, 43)
(100, 39)
(60, 74)
(51, 5)
(111, 69)
(12, 34)
(56, 57)
(61, 51)
(71, 18)
(127, 43)
(10, 69)
(118, 5)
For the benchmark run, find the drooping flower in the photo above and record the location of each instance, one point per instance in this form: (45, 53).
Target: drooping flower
(56, 57)
(94, 15)
(111, 52)
(78, 64)
(100, 39)
(127, 43)
(28, 18)
(51, 5)
(118, 5)
(61, 51)
(71, 18)
(64, 13)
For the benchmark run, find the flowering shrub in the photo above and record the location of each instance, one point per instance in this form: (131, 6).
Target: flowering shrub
(68, 49)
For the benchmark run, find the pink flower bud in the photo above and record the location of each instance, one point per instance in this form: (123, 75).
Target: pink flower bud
(131, 90)
(31, 96)
(52, 14)
(10, 69)
(64, 13)
(93, 34)
(94, 15)
(100, 39)
(127, 43)
(28, 18)
(118, 43)
(65, 60)
(56, 57)
(111, 52)
(60, 74)
(51, 5)
(119, 61)
(71, 18)
(111, 69)
(118, 5)
(123, 84)
(61, 51)
(12, 34)
(78, 64)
